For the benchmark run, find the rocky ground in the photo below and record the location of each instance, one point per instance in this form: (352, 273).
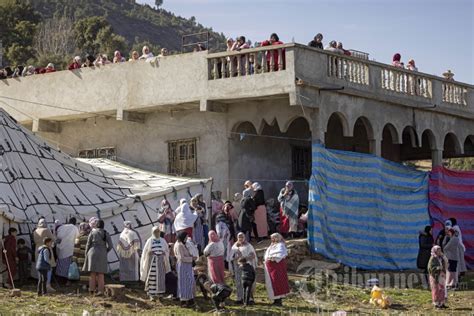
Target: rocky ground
(314, 290)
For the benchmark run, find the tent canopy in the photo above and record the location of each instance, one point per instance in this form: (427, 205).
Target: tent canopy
(37, 180)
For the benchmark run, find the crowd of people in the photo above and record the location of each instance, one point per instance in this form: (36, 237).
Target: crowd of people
(442, 260)
(232, 44)
(190, 247)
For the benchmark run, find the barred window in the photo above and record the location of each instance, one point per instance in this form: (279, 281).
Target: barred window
(301, 162)
(182, 157)
(104, 152)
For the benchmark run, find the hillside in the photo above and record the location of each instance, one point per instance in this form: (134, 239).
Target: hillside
(136, 23)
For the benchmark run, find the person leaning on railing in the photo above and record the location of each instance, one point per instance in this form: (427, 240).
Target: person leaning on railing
(274, 40)
(317, 42)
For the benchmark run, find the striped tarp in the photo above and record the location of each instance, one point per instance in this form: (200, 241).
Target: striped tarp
(365, 211)
(452, 195)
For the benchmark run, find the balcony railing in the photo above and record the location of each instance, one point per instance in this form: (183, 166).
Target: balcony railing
(247, 62)
(348, 69)
(406, 82)
(453, 93)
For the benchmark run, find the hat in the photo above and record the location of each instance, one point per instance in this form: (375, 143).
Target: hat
(448, 224)
(448, 73)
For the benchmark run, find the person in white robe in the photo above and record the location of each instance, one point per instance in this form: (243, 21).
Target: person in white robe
(65, 240)
(128, 250)
(154, 264)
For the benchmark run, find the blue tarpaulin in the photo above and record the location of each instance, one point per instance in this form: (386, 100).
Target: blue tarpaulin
(366, 211)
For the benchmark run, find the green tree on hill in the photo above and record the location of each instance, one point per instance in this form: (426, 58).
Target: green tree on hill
(18, 23)
(95, 35)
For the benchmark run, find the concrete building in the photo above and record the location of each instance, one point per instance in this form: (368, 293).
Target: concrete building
(245, 115)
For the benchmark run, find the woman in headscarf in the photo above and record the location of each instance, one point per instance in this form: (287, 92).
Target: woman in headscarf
(289, 205)
(39, 234)
(66, 236)
(97, 247)
(214, 252)
(461, 261)
(242, 249)
(79, 255)
(198, 230)
(155, 264)
(184, 268)
(276, 275)
(426, 242)
(165, 221)
(128, 249)
(260, 212)
(396, 61)
(437, 270)
(184, 219)
(93, 221)
(224, 233)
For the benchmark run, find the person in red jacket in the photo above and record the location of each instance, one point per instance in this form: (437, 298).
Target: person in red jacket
(274, 40)
(50, 68)
(9, 253)
(76, 63)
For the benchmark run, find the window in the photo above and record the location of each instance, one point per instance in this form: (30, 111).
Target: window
(301, 162)
(104, 152)
(182, 157)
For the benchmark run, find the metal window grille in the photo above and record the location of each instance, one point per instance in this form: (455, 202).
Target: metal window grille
(104, 152)
(301, 162)
(182, 157)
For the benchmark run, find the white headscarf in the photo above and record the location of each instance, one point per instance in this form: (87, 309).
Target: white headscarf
(129, 241)
(146, 259)
(184, 217)
(42, 223)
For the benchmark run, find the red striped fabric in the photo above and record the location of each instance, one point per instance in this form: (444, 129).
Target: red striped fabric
(451, 194)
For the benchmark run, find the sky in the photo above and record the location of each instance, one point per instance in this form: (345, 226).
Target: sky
(437, 34)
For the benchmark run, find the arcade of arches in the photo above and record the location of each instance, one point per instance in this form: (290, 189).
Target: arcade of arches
(411, 147)
(270, 155)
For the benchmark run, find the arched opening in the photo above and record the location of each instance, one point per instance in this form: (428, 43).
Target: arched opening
(452, 147)
(390, 146)
(469, 146)
(363, 134)
(335, 130)
(408, 148)
(269, 156)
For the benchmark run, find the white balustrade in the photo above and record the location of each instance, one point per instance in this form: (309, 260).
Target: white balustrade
(348, 69)
(409, 83)
(247, 62)
(453, 93)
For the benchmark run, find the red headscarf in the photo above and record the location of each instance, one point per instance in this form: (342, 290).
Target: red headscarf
(213, 236)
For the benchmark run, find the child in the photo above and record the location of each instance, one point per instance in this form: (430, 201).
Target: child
(23, 253)
(43, 265)
(9, 254)
(219, 293)
(248, 278)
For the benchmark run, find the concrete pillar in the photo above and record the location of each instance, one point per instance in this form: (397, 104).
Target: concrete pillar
(436, 157)
(375, 147)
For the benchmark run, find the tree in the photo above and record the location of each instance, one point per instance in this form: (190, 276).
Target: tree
(95, 35)
(18, 22)
(55, 37)
(158, 3)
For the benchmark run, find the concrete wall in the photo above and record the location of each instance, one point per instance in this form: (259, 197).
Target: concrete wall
(145, 145)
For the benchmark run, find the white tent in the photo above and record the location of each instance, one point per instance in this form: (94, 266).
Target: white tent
(37, 180)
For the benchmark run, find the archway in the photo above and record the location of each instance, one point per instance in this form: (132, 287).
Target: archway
(363, 135)
(269, 156)
(336, 129)
(469, 146)
(408, 148)
(390, 143)
(452, 147)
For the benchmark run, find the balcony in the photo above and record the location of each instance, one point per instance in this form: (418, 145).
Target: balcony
(202, 80)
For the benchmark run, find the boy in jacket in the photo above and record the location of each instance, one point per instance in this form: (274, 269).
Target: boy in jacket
(43, 265)
(248, 279)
